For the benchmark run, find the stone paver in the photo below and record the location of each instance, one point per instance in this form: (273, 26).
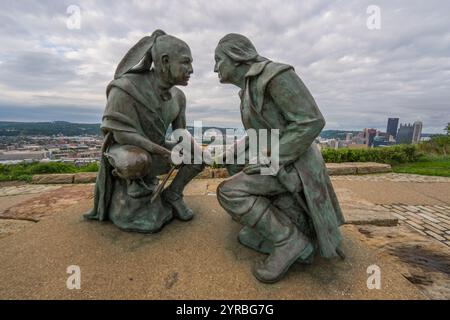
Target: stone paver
(26, 189)
(357, 168)
(64, 178)
(49, 202)
(358, 211)
(431, 220)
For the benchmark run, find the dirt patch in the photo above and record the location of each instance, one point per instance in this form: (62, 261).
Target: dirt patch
(419, 279)
(422, 260)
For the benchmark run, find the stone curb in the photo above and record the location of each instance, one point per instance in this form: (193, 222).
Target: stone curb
(60, 178)
(347, 168)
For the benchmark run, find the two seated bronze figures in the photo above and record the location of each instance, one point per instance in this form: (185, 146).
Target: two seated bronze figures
(290, 214)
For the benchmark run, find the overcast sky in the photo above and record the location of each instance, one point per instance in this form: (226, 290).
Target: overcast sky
(359, 77)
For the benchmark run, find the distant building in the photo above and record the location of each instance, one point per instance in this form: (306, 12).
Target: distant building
(331, 143)
(334, 143)
(405, 133)
(417, 131)
(382, 140)
(23, 155)
(392, 127)
(348, 137)
(369, 135)
(359, 139)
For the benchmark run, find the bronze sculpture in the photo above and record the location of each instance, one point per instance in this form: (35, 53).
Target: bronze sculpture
(289, 215)
(142, 103)
(294, 213)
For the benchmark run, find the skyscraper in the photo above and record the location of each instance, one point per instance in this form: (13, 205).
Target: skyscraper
(417, 131)
(392, 127)
(405, 133)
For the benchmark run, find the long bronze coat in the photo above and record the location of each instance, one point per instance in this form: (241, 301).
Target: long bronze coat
(275, 97)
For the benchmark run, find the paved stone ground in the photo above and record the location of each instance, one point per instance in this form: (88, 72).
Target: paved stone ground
(200, 259)
(11, 226)
(433, 221)
(374, 204)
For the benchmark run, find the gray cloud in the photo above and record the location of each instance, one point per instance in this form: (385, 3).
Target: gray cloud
(36, 70)
(358, 77)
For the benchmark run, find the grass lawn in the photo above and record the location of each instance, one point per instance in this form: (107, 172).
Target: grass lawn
(24, 171)
(430, 167)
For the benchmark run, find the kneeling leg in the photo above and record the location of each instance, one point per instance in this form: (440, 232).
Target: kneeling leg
(174, 193)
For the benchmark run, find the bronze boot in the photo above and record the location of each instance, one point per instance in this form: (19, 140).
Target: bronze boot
(288, 245)
(174, 193)
(253, 240)
(180, 210)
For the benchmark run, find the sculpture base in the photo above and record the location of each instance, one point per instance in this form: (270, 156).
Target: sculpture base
(137, 214)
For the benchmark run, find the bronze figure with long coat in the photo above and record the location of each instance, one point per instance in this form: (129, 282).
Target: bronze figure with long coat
(292, 214)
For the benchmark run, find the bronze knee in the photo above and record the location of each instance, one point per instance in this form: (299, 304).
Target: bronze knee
(129, 162)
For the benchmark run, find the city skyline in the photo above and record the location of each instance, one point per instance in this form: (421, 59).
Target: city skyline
(359, 77)
(240, 127)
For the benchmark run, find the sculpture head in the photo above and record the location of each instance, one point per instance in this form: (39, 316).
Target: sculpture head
(234, 55)
(172, 60)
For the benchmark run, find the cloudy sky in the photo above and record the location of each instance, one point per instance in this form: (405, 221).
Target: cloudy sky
(358, 76)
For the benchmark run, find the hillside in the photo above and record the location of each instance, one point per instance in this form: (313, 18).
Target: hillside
(12, 129)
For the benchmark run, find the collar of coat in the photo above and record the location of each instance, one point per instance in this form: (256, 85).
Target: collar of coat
(262, 72)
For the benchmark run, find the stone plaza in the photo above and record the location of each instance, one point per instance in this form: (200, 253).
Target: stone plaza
(397, 222)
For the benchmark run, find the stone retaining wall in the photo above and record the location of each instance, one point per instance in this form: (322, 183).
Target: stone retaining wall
(346, 168)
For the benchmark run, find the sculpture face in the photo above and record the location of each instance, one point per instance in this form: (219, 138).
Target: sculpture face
(173, 60)
(180, 66)
(224, 66)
